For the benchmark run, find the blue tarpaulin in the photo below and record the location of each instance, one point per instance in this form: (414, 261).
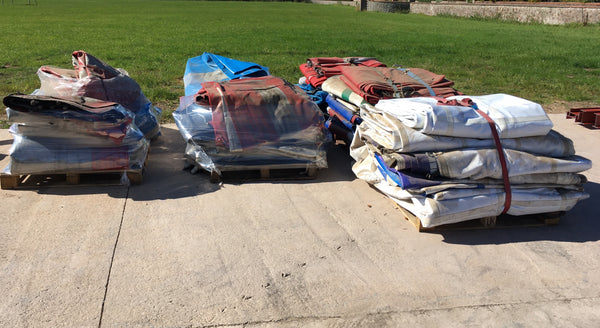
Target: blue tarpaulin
(214, 68)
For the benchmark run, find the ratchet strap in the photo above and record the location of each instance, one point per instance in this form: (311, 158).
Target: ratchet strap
(507, 190)
(469, 103)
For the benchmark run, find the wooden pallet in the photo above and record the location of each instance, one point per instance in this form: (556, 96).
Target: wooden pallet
(265, 173)
(501, 221)
(88, 178)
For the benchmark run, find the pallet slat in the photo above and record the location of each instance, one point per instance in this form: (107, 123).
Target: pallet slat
(502, 221)
(265, 173)
(88, 178)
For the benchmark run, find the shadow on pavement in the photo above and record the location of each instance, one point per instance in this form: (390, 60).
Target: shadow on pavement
(339, 165)
(165, 178)
(580, 224)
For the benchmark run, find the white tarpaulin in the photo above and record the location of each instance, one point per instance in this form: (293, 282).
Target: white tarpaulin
(387, 131)
(448, 178)
(514, 117)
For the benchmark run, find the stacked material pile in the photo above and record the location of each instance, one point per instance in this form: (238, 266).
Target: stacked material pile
(72, 135)
(88, 119)
(93, 78)
(317, 70)
(250, 123)
(354, 81)
(458, 158)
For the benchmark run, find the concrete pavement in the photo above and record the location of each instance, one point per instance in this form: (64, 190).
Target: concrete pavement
(179, 251)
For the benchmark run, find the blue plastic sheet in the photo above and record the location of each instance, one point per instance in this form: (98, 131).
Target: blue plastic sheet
(318, 96)
(214, 68)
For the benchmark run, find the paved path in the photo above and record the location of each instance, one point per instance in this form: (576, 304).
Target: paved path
(178, 251)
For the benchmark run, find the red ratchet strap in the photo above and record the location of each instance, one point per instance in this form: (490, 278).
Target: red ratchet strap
(469, 103)
(507, 190)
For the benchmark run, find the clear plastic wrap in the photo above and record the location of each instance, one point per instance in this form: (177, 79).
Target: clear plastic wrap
(252, 122)
(59, 155)
(93, 78)
(70, 135)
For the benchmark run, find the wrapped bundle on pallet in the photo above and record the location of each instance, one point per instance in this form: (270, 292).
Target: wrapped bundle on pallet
(462, 158)
(93, 78)
(72, 135)
(354, 81)
(252, 123)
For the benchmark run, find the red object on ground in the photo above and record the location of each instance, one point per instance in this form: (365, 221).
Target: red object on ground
(585, 115)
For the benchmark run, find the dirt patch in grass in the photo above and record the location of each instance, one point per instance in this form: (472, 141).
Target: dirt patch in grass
(564, 106)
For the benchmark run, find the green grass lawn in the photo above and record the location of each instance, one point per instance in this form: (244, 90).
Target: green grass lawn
(152, 40)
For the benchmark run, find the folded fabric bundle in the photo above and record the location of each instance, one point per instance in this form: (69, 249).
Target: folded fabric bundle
(59, 155)
(375, 83)
(318, 69)
(473, 167)
(68, 108)
(439, 162)
(335, 86)
(125, 135)
(209, 67)
(54, 116)
(252, 111)
(478, 164)
(482, 203)
(385, 129)
(70, 135)
(92, 78)
(514, 117)
(253, 121)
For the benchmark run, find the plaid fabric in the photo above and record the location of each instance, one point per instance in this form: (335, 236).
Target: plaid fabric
(375, 83)
(248, 112)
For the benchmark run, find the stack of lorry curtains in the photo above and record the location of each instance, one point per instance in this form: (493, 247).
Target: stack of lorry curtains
(252, 122)
(458, 158)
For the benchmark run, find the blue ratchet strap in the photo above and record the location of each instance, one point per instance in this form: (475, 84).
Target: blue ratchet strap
(418, 79)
